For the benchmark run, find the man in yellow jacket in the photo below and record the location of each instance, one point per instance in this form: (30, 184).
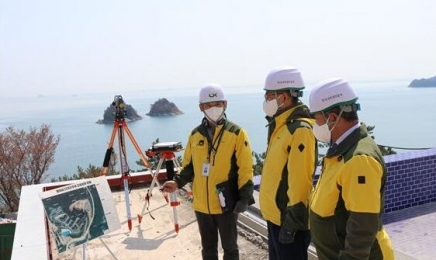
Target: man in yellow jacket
(347, 204)
(218, 161)
(288, 167)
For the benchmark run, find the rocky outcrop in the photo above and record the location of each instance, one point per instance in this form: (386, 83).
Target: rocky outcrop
(162, 107)
(423, 83)
(128, 113)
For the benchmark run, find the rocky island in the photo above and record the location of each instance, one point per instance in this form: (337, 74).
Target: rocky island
(162, 107)
(423, 83)
(130, 114)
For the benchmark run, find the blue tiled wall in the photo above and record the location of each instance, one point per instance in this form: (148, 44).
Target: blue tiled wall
(411, 179)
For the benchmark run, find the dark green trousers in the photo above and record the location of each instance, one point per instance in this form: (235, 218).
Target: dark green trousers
(210, 225)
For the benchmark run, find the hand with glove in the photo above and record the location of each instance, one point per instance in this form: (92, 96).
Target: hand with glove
(241, 206)
(294, 218)
(286, 236)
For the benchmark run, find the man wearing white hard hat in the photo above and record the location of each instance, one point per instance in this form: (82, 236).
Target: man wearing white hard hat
(347, 204)
(218, 161)
(289, 165)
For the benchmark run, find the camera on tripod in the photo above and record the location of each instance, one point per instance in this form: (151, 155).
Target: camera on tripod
(120, 108)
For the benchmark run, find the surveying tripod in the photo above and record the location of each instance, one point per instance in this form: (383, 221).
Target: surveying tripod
(120, 126)
(165, 153)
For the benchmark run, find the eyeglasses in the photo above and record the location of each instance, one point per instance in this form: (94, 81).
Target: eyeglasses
(272, 95)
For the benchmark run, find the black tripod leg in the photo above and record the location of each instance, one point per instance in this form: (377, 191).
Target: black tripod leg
(169, 165)
(107, 156)
(109, 149)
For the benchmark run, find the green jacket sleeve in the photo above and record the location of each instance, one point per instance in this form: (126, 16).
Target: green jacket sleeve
(361, 232)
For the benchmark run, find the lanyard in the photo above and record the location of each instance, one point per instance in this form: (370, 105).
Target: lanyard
(214, 144)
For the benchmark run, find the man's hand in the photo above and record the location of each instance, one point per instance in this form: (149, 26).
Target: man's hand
(240, 206)
(169, 186)
(286, 236)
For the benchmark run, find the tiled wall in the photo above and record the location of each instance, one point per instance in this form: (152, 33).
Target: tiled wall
(411, 179)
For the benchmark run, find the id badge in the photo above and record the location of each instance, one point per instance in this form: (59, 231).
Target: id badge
(205, 171)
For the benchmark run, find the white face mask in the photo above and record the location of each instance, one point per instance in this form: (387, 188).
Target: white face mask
(270, 107)
(322, 132)
(214, 113)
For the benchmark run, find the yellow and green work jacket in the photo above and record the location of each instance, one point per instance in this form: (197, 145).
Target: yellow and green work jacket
(346, 206)
(230, 158)
(288, 168)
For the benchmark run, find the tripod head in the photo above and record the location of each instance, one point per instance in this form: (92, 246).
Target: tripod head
(120, 108)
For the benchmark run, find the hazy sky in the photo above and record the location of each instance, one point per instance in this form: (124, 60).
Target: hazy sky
(81, 46)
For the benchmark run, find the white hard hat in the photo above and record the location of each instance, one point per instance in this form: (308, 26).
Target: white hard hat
(285, 78)
(211, 93)
(329, 93)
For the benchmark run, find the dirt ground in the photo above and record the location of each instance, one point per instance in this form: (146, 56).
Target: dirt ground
(156, 238)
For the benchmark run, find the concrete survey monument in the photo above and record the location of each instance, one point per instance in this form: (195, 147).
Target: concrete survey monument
(80, 212)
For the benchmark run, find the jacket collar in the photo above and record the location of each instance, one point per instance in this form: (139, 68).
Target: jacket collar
(298, 110)
(348, 142)
(204, 126)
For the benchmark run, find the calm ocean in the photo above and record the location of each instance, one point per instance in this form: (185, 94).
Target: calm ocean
(404, 117)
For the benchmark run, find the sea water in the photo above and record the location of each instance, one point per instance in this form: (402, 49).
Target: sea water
(403, 117)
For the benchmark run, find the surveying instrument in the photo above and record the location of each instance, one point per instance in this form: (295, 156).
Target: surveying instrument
(120, 127)
(165, 152)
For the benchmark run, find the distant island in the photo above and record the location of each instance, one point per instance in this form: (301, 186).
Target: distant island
(109, 114)
(423, 83)
(162, 107)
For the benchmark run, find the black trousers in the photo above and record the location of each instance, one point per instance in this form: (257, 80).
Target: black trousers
(210, 225)
(296, 250)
